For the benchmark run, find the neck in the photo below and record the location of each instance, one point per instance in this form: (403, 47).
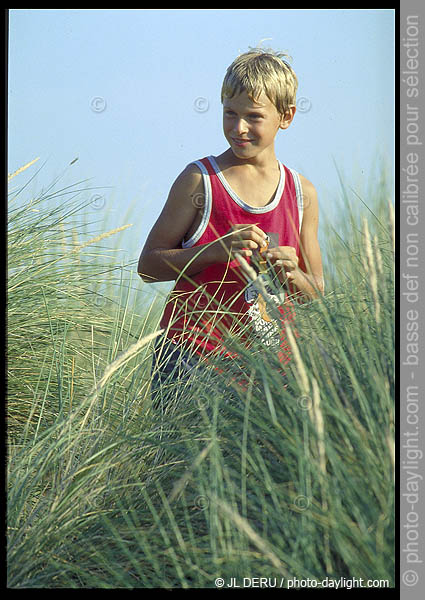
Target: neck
(263, 161)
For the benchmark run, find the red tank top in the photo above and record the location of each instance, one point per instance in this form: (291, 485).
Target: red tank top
(203, 309)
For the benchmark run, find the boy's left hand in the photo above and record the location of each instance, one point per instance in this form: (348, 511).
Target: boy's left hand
(285, 262)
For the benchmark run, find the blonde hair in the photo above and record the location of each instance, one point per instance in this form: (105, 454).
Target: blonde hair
(262, 70)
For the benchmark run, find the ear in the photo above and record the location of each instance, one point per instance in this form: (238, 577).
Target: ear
(287, 118)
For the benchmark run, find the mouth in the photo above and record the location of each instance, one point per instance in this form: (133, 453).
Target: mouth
(241, 141)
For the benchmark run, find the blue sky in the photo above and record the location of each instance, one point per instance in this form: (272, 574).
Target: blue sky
(149, 68)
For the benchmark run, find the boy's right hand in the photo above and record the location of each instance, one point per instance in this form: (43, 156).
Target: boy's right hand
(240, 238)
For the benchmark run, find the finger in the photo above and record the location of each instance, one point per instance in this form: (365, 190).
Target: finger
(285, 272)
(251, 240)
(287, 263)
(244, 253)
(284, 269)
(244, 243)
(288, 253)
(250, 227)
(282, 253)
(286, 266)
(277, 259)
(260, 235)
(251, 232)
(288, 249)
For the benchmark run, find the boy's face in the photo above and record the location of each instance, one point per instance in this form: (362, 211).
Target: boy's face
(251, 126)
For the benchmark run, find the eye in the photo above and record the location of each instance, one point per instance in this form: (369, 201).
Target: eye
(256, 116)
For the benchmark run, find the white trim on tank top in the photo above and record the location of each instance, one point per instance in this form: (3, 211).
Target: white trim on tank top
(299, 194)
(207, 205)
(252, 209)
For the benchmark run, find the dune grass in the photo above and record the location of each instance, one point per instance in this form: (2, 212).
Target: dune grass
(275, 481)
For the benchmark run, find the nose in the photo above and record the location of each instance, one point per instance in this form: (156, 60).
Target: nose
(240, 126)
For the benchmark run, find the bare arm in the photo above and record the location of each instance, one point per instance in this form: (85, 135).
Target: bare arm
(310, 273)
(163, 258)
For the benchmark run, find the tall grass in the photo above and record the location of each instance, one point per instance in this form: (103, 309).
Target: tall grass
(284, 479)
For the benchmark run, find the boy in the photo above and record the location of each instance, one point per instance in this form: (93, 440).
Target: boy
(244, 202)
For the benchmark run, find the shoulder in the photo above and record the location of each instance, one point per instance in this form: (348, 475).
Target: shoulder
(191, 176)
(310, 218)
(308, 189)
(187, 185)
(310, 198)
(179, 211)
